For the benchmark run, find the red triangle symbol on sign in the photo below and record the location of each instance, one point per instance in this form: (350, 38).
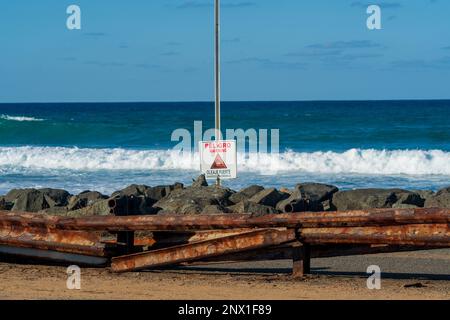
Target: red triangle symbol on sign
(218, 163)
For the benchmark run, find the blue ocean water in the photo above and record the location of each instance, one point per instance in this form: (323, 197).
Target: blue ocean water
(108, 146)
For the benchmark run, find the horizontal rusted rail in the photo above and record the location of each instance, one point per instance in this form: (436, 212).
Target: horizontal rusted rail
(357, 218)
(436, 235)
(203, 249)
(76, 242)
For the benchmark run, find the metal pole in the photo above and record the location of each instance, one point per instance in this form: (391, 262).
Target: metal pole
(218, 134)
(217, 68)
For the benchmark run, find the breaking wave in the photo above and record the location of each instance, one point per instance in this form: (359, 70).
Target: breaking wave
(19, 118)
(353, 161)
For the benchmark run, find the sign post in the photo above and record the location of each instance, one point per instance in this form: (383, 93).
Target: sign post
(218, 135)
(218, 158)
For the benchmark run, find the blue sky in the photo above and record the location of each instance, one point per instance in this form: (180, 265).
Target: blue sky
(162, 50)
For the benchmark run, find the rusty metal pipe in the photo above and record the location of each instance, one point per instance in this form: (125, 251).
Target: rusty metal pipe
(77, 242)
(201, 250)
(433, 235)
(357, 218)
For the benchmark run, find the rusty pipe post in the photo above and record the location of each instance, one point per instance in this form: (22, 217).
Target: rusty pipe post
(301, 259)
(121, 206)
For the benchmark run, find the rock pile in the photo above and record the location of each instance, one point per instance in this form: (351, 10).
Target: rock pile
(200, 198)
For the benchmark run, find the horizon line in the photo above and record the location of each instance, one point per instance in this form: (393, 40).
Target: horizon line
(227, 101)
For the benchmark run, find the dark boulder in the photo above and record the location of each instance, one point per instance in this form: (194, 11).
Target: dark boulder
(139, 199)
(84, 199)
(56, 197)
(98, 208)
(159, 192)
(268, 197)
(361, 199)
(439, 200)
(253, 208)
(5, 205)
(34, 200)
(131, 205)
(192, 200)
(55, 211)
(155, 193)
(245, 194)
(214, 209)
(200, 182)
(308, 197)
(30, 200)
(425, 194)
(317, 191)
(13, 194)
(185, 209)
(131, 190)
(406, 200)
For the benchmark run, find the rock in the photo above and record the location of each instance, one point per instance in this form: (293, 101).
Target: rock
(308, 197)
(99, 208)
(131, 190)
(404, 206)
(84, 199)
(285, 190)
(268, 197)
(13, 194)
(141, 198)
(30, 200)
(439, 200)
(55, 211)
(316, 191)
(56, 197)
(4, 205)
(373, 198)
(155, 193)
(408, 200)
(425, 194)
(363, 199)
(245, 193)
(295, 203)
(327, 205)
(159, 192)
(192, 200)
(214, 209)
(186, 209)
(200, 182)
(132, 205)
(34, 200)
(253, 208)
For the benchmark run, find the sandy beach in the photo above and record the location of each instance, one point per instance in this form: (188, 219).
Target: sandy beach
(413, 275)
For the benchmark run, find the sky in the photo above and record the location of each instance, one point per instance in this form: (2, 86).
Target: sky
(162, 50)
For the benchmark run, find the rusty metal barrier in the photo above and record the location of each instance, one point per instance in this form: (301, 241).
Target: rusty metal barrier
(174, 239)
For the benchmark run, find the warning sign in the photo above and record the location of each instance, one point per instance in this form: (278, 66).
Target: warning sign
(218, 159)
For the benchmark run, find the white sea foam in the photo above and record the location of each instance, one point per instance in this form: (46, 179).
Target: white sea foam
(354, 161)
(19, 118)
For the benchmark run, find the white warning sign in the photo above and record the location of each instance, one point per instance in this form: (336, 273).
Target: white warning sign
(218, 159)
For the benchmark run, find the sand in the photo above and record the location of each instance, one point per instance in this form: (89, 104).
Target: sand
(418, 275)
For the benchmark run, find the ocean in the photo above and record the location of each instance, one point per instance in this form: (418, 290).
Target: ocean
(107, 146)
